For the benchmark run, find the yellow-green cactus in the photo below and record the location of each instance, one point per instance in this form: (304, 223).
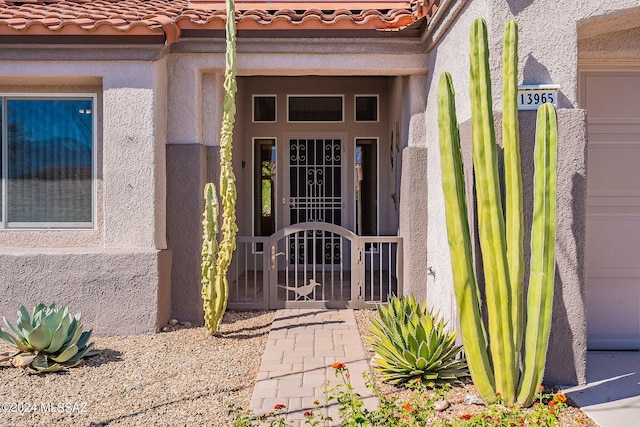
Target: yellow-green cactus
(494, 357)
(217, 258)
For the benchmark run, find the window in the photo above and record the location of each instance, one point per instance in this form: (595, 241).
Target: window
(264, 187)
(315, 108)
(264, 108)
(47, 153)
(366, 183)
(366, 108)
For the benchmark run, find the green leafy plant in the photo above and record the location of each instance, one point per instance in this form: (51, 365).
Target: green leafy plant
(495, 363)
(275, 418)
(413, 343)
(415, 410)
(545, 412)
(216, 258)
(48, 339)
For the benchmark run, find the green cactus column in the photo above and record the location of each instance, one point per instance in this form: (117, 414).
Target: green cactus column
(491, 227)
(494, 357)
(215, 290)
(473, 332)
(514, 217)
(543, 263)
(210, 292)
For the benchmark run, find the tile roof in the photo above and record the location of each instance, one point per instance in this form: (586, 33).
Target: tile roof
(169, 18)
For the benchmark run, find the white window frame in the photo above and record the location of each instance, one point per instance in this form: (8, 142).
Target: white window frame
(366, 95)
(324, 95)
(254, 141)
(355, 146)
(253, 105)
(14, 226)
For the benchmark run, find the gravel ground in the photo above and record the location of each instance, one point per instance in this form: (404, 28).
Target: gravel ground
(180, 378)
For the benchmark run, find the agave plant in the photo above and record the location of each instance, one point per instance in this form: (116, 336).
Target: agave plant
(412, 343)
(47, 340)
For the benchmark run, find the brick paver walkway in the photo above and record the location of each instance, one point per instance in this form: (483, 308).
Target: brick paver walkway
(296, 365)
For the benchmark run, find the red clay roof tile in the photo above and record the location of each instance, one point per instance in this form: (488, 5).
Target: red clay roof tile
(169, 17)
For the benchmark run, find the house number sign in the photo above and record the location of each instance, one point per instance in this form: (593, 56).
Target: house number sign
(530, 97)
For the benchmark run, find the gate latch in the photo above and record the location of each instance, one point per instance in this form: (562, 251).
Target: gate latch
(274, 255)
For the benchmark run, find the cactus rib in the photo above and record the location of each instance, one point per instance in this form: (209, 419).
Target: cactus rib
(466, 289)
(543, 230)
(514, 221)
(491, 221)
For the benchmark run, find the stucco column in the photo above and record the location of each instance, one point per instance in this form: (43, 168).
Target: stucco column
(133, 173)
(413, 192)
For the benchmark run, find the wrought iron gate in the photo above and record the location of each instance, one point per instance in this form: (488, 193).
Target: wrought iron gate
(315, 265)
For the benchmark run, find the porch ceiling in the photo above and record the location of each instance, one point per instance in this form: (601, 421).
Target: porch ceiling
(169, 18)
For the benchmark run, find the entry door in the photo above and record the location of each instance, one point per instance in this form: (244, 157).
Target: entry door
(311, 264)
(315, 193)
(613, 209)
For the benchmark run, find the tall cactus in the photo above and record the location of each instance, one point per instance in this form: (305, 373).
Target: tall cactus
(217, 258)
(494, 366)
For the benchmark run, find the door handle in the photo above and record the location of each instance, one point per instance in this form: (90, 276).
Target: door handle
(273, 256)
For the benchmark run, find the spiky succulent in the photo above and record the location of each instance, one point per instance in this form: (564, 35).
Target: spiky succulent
(412, 343)
(47, 340)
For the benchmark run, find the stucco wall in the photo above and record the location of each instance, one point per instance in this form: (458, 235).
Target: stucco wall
(548, 56)
(117, 274)
(118, 292)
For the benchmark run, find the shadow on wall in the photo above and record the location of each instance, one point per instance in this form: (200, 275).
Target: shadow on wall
(561, 329)
(517, 6)
(536, 73)
(562, 366)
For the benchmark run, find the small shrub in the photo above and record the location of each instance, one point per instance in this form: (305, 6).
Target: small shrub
(47, 340)
(416, 410)
(412, 343)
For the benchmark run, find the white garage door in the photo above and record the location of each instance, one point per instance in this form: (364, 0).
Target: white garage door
(612, 100)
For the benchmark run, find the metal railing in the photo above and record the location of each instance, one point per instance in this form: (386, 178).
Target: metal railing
(315, 265)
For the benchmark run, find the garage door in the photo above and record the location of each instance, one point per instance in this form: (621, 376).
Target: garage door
(612, 100)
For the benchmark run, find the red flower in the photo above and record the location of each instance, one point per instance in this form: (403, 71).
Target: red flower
(338, 366)
(407, 407)
(541, 388)
(560, 397)
(308, 414)
(279, 406)
(552, 403)
(466, 417)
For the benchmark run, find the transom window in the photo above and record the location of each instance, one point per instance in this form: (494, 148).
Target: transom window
(264, 108)
(366, 108)
(316, 108)
(47, 163)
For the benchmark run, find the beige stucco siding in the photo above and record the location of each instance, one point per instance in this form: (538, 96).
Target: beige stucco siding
(118, 269)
